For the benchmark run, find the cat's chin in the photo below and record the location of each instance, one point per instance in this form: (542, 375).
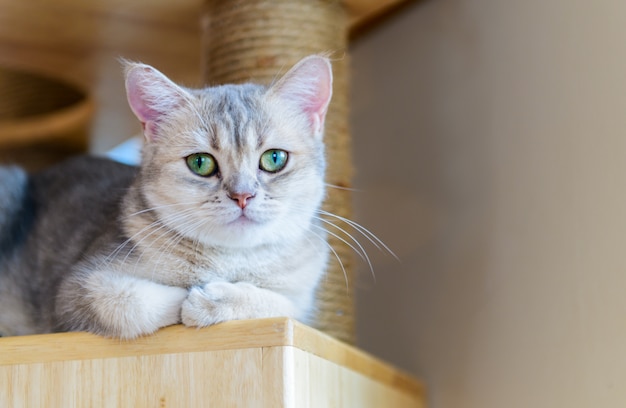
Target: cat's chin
(241, 232)
(236, 237)
(245, 232)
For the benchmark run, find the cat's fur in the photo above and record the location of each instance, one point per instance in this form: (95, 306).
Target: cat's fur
(121, 251)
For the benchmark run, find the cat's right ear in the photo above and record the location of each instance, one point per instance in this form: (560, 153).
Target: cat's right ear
(308, 87)
(151, 96)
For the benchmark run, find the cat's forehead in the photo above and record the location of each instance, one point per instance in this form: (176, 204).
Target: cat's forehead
(235, 115)
(241, 103)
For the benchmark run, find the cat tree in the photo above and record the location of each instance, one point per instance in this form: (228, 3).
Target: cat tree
(266, 363)
(255, 39)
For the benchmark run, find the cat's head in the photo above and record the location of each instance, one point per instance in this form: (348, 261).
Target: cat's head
(234, 165)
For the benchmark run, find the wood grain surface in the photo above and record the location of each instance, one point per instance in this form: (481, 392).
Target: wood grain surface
(270, 362)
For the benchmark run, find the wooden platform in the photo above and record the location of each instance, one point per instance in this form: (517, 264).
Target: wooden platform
(257, 363)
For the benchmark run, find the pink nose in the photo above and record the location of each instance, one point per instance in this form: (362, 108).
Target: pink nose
(241, 198)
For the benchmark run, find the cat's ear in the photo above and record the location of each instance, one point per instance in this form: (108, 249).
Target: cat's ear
(151, 96)
(309, 87)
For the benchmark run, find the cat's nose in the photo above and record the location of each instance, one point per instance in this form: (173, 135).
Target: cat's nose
(241, 198)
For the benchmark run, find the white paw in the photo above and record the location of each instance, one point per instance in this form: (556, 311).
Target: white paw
(214, 303)
(124, 306)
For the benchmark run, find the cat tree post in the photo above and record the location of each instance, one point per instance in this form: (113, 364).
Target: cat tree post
(252, 40)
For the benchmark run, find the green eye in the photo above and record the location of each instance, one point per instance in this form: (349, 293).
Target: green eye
(273, 160)
(202, 164)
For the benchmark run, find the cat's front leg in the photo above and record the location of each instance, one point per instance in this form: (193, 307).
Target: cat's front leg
(217, 302)
(117, 305)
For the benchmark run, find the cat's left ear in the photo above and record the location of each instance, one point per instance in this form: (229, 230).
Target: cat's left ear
(151, 96)
(309, 87)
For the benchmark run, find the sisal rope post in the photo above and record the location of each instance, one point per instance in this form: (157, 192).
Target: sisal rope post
(253, 40)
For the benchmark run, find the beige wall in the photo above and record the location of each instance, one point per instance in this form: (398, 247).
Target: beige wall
(490, 143)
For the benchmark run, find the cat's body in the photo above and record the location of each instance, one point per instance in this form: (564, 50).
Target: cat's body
(218, 223)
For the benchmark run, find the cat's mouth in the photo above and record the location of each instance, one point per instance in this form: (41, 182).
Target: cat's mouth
(242, 220)
(246, 218)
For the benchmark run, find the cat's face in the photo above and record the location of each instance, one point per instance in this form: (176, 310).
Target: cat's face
(237, 165)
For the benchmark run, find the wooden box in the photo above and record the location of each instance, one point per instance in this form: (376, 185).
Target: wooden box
(257, 363)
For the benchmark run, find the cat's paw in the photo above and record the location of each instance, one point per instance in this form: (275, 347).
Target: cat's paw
(217, 302)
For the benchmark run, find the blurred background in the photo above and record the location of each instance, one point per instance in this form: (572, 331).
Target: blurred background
(490, 146)
(490, 154)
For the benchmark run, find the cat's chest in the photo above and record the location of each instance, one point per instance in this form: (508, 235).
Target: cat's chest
(202, 266)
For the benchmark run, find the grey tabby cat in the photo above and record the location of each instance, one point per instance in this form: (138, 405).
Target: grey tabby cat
(218, 222)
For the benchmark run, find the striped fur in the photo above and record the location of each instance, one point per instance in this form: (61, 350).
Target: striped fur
(120, 251)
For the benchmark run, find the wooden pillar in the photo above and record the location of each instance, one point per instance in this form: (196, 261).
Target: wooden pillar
(253, 40)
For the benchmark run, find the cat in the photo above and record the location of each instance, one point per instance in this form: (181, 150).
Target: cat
(219, 222)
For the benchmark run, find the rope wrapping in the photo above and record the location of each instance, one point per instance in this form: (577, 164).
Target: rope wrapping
(257, 41)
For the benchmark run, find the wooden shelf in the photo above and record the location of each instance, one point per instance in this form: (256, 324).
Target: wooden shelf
(267, 363)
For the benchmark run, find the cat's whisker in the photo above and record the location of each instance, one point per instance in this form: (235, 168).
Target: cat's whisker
(343, 188)
(365, 233)
(137, 245)
(119, 248)
(360, 251)
(173, 218)
(177, 218)
(186, 228)
(328, 245)
(158, 207)
(116, 251)
(356, 250)
(351, 241)
(168, 246)
(334, 252)
(377, 242)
